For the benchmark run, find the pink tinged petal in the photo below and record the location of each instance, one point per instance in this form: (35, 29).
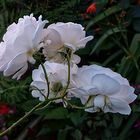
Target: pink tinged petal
(105, 84)
(70, 32)
(15, 64)
(20, 72)
(119, 106)
(82, 43)
(37, 94)
(126, 93)
(53, 38)
(70, 46)
(31, 60)
(75, 59)
(38, 33)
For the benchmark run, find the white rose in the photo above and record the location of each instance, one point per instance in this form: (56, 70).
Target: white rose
(60, 36)
(103, 89)
(57, 76)
(19, 43)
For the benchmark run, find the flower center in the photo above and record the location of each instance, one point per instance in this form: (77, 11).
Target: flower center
(30, 52)
(57, 87)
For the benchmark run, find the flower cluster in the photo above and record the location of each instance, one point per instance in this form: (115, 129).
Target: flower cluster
(60, 79)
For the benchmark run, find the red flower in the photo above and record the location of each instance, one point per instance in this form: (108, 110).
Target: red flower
(4, 109)
(138, 2)
(92, 8)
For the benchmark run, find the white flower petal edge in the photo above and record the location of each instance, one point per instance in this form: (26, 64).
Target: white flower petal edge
(60, 36)
(102, 89)
(19, 43)
(58, 77)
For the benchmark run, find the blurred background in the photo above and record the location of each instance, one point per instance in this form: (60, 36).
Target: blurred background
(115, 25)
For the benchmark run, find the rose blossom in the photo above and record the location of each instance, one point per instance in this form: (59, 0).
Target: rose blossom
(57, 76)
(61, 36)
(19, 44)
(100, 88)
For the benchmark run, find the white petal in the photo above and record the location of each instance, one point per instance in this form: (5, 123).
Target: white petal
(82, 43)
(126, 93)
(70, 46)
(38, 33)
(39, 84)
(89, 104)
(99, 101)
(37, 94)
(31, 60)
(20, 72)
(105, 84)
(75, 59)
(36, 75)
(15, 64)
(120, 106)
(7, 54)
(2, 49)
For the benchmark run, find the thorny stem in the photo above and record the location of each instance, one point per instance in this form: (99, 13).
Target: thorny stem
(40, 104)
(21, 119)
(77, 107)
(47, 80)
(68, 82)
(28, 114)
(44, 106)
(35, 88)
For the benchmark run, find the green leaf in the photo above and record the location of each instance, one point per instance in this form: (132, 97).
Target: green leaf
(56, 113)
(62, 134)
(29, 104)
(112, 57)
(44, 131)
(117, 120)
(105, 36)
(129, 63)
(77, 117)
(135, 46)
(77, 135)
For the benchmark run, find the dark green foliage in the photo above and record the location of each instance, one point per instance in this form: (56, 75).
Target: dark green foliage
(14, 92)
